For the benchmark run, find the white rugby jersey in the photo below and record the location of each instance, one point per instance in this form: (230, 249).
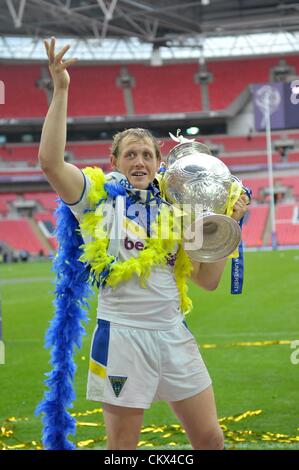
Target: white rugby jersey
(158, 305)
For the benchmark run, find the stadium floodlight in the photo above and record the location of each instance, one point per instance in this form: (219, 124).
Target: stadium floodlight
(193, 130)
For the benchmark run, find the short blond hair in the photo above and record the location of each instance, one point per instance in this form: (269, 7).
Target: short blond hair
(140, 134)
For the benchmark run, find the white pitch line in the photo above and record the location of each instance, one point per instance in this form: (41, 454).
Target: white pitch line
(279, 334)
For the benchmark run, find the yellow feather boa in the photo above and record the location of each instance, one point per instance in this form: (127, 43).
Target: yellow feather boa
(164, 238)
(235, 192)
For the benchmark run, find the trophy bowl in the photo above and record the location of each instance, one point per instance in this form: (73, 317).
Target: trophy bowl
(199, 184)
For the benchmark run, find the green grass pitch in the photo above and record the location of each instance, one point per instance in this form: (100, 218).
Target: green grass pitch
(248, 374)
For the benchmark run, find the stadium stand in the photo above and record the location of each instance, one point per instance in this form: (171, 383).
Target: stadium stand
(256, 185)
(28, 153)
(248, 159)
(18, 234)
(46, 222)
(13, 153)
(252, 233)
(89, 149)
(151, 95)
(5, 199)
(231, 77)
(45, 217)
(101, 96)
(240, 143)
(46, 200)
(232, 149)
(291, 182)
(293, 156)
(94, 92)
(23, 98)
(287, 224)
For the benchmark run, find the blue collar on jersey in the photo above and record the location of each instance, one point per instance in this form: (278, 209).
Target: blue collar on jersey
(150, 198)
(145, 196)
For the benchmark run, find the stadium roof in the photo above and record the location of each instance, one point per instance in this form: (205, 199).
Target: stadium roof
(132, 30)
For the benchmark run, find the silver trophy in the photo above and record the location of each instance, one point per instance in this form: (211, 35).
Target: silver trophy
(195, 179)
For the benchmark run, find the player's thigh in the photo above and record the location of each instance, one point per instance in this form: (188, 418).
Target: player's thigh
(123, 425)
(198, 416)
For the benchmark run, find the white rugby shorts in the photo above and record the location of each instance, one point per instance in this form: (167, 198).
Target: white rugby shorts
(133, 367)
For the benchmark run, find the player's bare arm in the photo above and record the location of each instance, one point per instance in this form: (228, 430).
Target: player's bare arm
(66, 179)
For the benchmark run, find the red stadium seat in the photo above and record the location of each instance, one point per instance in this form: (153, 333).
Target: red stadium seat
(167, 89)
(170, 88)
(254, 226)
(100, 95)
(5, 199)
(46, 200)
(19, 235)
(287, 228)
(22, 96)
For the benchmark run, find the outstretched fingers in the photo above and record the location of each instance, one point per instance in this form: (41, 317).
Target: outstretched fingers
(69, 62)
(61, 53)
(57, 59)
(47, 47)
(51, 51)
(50, 47)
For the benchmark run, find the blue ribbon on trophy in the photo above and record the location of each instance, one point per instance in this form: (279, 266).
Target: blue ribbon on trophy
(237, 271)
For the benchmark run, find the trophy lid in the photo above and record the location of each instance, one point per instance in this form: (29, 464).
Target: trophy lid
(186, 148)
(195, 176)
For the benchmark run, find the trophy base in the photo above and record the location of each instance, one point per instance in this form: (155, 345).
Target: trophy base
(215, 236)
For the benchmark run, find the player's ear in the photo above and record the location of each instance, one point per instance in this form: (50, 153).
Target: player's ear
(113, 161)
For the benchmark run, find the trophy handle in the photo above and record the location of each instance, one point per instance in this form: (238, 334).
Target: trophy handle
(211, 237)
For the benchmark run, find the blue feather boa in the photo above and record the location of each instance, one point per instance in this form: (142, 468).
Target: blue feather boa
(66, 330)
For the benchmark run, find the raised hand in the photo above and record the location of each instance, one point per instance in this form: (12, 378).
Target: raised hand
(58, 69)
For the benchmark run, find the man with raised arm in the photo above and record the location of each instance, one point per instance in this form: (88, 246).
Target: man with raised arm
(142, 349)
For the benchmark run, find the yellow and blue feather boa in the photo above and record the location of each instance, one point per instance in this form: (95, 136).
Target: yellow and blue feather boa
(75, 264)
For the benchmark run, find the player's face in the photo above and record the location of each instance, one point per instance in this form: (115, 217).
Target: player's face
(137, 161)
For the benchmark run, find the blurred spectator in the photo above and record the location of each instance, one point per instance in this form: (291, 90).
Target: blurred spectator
(249, 135)
(15, 256)
(283, 152)
(24, 255)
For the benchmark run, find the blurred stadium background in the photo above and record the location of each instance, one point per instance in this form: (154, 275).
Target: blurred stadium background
(200, 66)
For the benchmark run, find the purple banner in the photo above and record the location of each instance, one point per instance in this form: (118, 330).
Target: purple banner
(273, 93)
